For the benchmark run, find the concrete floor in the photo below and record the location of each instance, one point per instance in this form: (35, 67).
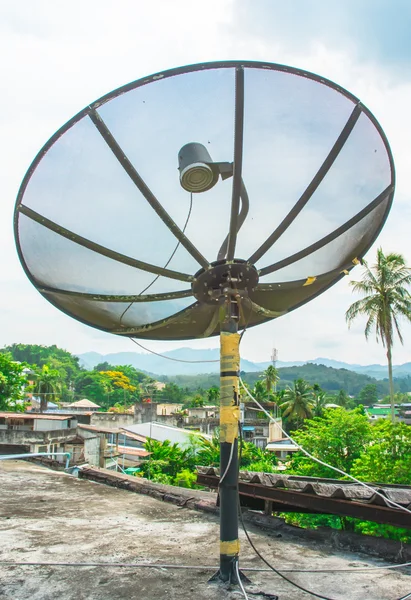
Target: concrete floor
(51, 516)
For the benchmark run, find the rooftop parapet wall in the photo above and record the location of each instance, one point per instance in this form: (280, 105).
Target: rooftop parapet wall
(18, 437)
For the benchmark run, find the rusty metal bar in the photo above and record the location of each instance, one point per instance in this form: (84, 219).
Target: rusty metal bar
(292, 501)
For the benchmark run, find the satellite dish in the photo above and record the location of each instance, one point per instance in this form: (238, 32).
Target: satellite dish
(200, 200)
(291, 180)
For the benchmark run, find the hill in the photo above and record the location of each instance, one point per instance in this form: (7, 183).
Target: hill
(150, 363)
(329, 378)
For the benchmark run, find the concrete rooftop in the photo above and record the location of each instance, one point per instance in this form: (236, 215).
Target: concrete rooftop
(49, 516)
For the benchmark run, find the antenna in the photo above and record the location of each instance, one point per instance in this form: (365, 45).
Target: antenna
(274, 358)
(286, 178)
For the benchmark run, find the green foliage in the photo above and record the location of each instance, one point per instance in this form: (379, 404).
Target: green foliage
(171, 393)
(55, 359)
(297, 401)
(388, 458)
(12, 382)
(339, 438)
(47, 385)
(368, 395)
(213, 395)
(109, 386)
(270, 378)
(208, 451)
(185, 478)
(330, 379)
(196, 401)
(385, 301)
(308, 521)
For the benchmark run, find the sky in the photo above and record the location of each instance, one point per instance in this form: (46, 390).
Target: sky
(59, 57)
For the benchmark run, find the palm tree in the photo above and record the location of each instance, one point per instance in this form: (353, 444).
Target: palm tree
(319, 402)
(213, 395)
(48, 383)
(298, 401)
(385, 301)
(260, 391)
(270, 377)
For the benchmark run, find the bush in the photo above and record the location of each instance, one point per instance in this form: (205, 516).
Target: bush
(186, 479)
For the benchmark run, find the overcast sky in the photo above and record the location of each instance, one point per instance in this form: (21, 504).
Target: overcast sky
(58, 57)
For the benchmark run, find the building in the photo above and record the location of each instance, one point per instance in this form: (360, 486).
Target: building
(379, 412)
(22, 433)
(203, 412)
(167, 409)
(282, 448)
(161, 433)
(82, 405)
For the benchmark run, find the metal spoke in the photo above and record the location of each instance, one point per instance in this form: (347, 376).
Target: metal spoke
(238, 160)
(312, 187)
(157, 324)
(330, 237)
(81, 241)
(144, 189)
(118, 297)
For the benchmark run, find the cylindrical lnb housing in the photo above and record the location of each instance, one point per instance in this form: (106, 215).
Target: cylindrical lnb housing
(197, 173)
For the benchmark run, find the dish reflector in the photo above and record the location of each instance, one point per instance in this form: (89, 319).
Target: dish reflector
(142, 211)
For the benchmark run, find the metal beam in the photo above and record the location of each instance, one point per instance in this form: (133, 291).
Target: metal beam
(86, 243)
(144, 189)
(292, 501)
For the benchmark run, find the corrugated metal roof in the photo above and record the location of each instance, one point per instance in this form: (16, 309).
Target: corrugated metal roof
(31, 416)
(326, 488)
(98, 428)
(84, 403)
(128, 450)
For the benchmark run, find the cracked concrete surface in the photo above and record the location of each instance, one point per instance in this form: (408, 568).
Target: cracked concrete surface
(49, 516)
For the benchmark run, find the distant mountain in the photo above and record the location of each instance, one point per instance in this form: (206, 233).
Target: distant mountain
(150, 363)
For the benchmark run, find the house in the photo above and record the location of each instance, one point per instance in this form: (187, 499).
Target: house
(167, 409)
(117, 447)
(378, 412)
(83, 405)
(22, 433)
(161, 433)
(282, 447)
(203, 412)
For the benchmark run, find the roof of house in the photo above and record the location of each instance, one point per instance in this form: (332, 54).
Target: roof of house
(27, 416)
(129, 450)
(84, 403)
(161, 433)
(281, 445)
(378, 410)
(99, 428)
(133, 436)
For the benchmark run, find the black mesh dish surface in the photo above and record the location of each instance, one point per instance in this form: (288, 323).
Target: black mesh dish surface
(106, 232)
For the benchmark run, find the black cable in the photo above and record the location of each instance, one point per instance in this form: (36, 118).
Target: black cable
(255, 549)
(297, 585)
(167, 263)
(174, 359)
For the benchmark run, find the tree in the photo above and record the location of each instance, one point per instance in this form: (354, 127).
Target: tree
(213, 395)
(343, 399)
(12, 382)
(338, 438)
(56, 358)
(260, 391)
(172, 393)
(368, 395)
(386, 299)
(297, 403)
(270, 377)
(48, 383)
(387, 459)
(319, 401)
